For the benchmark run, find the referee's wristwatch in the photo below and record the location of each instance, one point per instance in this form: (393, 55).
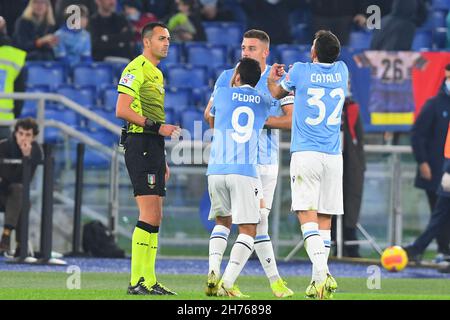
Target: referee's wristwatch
(152, 125)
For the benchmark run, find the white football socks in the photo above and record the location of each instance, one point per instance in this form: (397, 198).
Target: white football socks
(217, 247)
(326, 237)
(241, 251)
(264, 248)
(315, 248)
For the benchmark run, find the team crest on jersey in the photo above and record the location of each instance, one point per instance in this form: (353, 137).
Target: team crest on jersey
(256, 192)
(151, 181)
(127, 80)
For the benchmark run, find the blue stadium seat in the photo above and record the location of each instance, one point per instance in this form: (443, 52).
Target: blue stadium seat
(117, 69)
(200, 96)
(439, 18)
(235, 54)
(218, 70)
(29, 108)
(289, 54)
(360, 39)
(69, 117)
(177, 98)
(209, 55)
(440, 38)
(301, 34)
(104, 136)
(96, 74)
(93, 126)
(422, 41)
(94, 159)
(45, 73)
(441, 4)
(187, 76)
(170, 116)
(109, 98)
(228, 33)
(83, 95)
(192, 120)
(173, 57)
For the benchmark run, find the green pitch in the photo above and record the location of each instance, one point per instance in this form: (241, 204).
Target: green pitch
(53, 285)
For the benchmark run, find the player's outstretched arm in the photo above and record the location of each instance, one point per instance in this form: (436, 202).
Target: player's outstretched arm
(276, 90)
(282, 122)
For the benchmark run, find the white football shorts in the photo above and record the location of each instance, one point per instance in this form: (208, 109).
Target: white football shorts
(316, 182)
(268, 175)
(235, 194)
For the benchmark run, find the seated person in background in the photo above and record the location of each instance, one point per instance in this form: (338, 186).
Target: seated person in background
(34, 31)
(137, 18)
(74, 44)
(186, 25)
(20, 145)
(110, 31)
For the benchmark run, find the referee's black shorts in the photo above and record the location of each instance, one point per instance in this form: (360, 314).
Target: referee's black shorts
(146, 163)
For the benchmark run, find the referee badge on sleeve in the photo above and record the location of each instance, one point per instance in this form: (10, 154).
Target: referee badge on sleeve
(151, 180)
(127, 80)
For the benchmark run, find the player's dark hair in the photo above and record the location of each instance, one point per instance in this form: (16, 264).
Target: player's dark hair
(447, 67)
(27, 124)
(257, 34)
(148, 28)
(327, 46)
(249, 71)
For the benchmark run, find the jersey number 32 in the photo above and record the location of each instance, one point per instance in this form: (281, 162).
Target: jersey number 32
(316, 101)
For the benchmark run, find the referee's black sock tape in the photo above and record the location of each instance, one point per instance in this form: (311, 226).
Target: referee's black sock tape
(147, 227)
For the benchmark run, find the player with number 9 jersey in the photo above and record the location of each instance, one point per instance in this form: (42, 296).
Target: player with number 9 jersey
(239, 117)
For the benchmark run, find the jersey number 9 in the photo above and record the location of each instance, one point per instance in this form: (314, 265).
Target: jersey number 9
(242, 133)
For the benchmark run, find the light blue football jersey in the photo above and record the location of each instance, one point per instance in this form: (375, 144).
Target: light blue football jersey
(320, 91)
(239, 116)
(269, 139)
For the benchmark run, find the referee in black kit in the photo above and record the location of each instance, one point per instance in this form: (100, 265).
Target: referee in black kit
(141, 104)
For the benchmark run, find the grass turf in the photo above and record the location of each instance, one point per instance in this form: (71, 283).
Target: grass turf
(112, 286)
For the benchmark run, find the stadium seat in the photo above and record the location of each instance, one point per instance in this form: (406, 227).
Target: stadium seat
(187, 76)
(360, 39)
(104, 137)
(29, 108)
(69, 117)
(51, 74)
(109, 98)
(227, 33)
(235, 54)
(173, 57)
(96, 74)
(441, 5)
(192, 120)
(289, 54)
(218, 70)
(439, 18)
(422, 41)
(177, 98)
(200, 96)
(83, 95)
(208, 55)
(170, 116)
(440, 38)
(93, 126)
(301, 34)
